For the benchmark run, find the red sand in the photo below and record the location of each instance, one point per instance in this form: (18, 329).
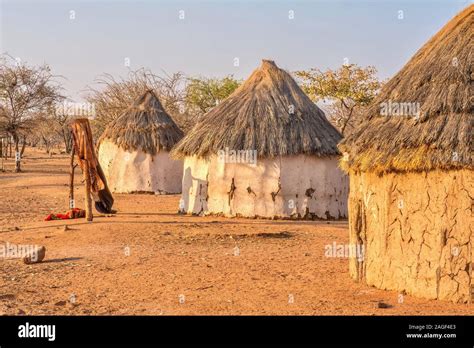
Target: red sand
(177, 264)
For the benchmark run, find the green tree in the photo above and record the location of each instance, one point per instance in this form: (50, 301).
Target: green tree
(202, 94)
(349, 90)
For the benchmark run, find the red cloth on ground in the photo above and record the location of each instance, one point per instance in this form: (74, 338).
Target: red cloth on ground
(70, 214)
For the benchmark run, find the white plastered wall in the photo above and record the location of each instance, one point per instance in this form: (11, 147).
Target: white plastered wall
(311, 187)
(137, 171)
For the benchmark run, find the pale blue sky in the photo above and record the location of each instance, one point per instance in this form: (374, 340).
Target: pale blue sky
(151, 34)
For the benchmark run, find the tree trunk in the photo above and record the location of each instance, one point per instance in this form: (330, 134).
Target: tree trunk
(1, 154)
(5, 150)
(23, 146)
(46, 144)
(67, 140)
(88, 198)
(347, 121)
(16, 138)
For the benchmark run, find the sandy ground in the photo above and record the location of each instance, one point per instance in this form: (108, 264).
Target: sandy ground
(149, 260)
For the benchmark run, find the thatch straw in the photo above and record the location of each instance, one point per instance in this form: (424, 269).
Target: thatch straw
(440, 78)
(144, 126)
(268, 113)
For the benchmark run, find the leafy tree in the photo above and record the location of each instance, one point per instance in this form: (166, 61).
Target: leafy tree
(349, 89)
(202, 94)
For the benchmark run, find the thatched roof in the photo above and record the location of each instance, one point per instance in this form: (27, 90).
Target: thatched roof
(440, 78)
(144, 126)
(268, 113)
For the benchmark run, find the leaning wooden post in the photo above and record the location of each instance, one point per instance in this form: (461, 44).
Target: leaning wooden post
(88, 199)
(94, 178)
(71, 180)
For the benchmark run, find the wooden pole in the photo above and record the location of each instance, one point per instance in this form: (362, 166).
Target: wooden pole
(88, 199)
(71, 180)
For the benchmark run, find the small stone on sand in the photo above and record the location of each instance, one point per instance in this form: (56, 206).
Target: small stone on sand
(35, 256)
(383, 305)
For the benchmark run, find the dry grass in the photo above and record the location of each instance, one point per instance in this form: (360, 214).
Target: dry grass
(144, 126)
(439, 77)
(269, 113)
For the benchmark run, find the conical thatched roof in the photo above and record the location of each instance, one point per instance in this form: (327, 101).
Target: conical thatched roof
(144, 126)
(269, 113)
(440, 78)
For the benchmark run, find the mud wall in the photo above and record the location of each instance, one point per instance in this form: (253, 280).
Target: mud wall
(297, 186)
(417, 232)
(137, 171)
(194, 186)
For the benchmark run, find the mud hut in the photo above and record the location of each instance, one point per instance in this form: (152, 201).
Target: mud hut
(411, 173)
(266, 151)
(134, 150)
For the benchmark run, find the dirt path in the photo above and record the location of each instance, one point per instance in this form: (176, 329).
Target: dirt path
(149, 260)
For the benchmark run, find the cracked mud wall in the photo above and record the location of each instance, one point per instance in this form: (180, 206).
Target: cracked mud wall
(295, 186)
(137, 171)
(417, 231)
